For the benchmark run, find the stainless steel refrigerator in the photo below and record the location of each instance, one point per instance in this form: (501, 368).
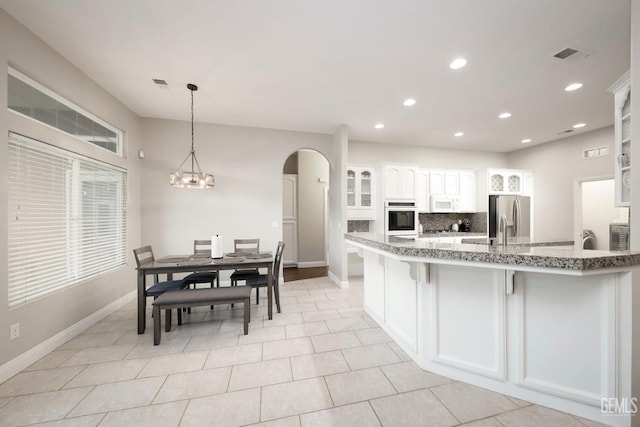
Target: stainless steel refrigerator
(517, 210)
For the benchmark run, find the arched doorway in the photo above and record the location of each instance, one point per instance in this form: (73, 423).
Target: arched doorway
(305, 213)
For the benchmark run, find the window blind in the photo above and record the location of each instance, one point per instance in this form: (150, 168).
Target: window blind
(67, 218)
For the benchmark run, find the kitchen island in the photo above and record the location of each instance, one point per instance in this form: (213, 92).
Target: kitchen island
(550, 325)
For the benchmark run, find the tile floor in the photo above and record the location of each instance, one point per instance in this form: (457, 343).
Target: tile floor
(322, 362)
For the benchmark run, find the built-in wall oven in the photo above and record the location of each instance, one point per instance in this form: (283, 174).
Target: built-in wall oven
(400, 218)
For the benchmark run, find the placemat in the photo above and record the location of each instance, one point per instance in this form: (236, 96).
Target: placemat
(169, 259)
(196, 261)
(259, 256)
(227, 261)
(236, 254)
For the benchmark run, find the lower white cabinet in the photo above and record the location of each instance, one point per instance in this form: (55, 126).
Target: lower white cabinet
(401, 303)
(556, 339)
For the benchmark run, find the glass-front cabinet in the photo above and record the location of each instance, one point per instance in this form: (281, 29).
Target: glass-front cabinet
(360, 192)
(622, 123)
(505, 181)
(509, 181)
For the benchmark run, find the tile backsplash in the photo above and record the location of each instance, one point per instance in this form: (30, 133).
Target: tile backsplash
(359, 226)
(443, 221)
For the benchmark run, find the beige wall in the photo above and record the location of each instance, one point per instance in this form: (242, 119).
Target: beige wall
(42, 319)
(557, 165)
(247, 164)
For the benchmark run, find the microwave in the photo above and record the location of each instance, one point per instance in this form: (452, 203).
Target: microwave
(442, 203)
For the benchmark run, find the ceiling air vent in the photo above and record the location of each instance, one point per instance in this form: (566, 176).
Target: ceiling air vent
(160, 82)
(572, 53)
(566, 131)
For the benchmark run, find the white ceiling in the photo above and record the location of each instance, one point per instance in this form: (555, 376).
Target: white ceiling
(311, 65)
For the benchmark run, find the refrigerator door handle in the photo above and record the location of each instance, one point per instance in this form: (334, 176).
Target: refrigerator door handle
(516, 217)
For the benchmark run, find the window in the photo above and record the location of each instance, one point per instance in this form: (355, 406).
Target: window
(67, 218)
(31, 99)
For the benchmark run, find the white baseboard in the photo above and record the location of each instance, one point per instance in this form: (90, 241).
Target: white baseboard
(311, 264)
(28, 358)
(344, 284)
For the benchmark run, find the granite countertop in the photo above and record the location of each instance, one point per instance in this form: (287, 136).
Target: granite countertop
(520, 242)
(557, 257)
(469, 234)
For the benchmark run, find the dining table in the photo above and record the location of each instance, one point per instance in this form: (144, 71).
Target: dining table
(188, 264)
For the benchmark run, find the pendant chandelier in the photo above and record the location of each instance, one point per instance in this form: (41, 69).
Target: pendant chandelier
(194, 178)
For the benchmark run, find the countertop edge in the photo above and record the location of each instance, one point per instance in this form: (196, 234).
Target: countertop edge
(507, 256)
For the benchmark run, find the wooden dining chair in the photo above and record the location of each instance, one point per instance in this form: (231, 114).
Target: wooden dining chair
(202, 249)
(262, 280)
(249, 246)
(144, 255)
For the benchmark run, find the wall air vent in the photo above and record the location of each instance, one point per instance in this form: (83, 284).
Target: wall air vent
(572, 53)
(592, 153)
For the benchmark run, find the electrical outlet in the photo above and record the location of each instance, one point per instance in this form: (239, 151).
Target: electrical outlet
(14, 331)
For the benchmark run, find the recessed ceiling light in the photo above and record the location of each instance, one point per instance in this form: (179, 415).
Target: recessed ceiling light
(579, 125)
(504, 115)
(458, 63)
(573, 86)
(526, 140)
(458, 134)
(409, 102)
(379, 126)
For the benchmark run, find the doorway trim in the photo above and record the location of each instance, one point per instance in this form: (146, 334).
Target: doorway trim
(325, 213)
(577, 204)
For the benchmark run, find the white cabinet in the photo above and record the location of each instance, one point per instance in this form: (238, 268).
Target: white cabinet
(510, 181)
(361, 192)
(400, 182)
(436, 182)
(451, 182)
(467, 199)
(444, 182)
(460, 185)
(422, 190)
(622, 122)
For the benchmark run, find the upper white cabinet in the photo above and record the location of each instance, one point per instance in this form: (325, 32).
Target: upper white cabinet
(622, 122)
(510, 181)
(460, 185)
(361, 192)
(400, 182)
(445, 182)
(467, 199)
(422, 190)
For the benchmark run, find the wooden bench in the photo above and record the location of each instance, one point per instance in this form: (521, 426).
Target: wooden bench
(198, 297)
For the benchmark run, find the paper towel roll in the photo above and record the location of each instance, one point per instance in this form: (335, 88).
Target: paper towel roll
(216, 246)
